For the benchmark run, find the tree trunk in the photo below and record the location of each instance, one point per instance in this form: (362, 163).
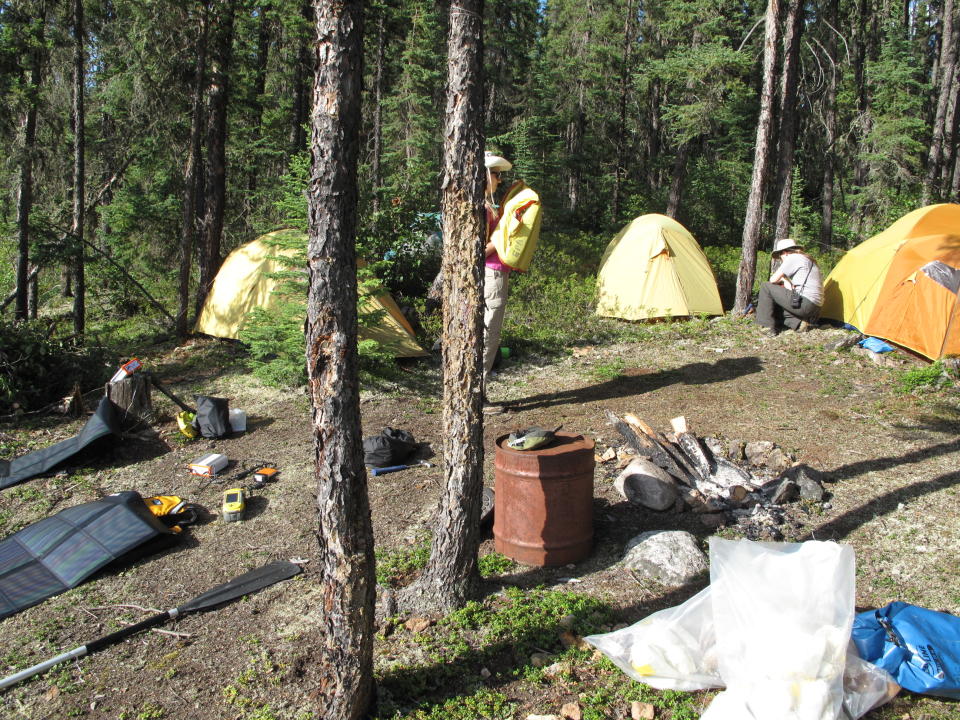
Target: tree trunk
(188, 223)
(947, 81)
(216, 181)
(788, 116)
(25, 181)
(950, 138)
(754, 214)
(830, 128)
(132, 397)
(376, 132)
(621, 150)
(79, 173)
(451, 576)
(340, 667)
(301, 86)
(676, 179)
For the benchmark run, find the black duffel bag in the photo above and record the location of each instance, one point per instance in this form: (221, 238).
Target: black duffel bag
(213, 416)
(390, 447)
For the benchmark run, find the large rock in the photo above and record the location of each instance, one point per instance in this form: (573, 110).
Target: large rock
(669, 557)
(808, 480)
(758, 451)
(643, 483)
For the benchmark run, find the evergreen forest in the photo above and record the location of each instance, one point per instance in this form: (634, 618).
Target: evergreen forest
(146, 140)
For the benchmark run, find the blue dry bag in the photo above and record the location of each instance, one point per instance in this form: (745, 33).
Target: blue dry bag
(919, 647)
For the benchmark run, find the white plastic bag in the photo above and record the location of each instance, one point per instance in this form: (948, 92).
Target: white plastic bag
(673, 649)
(773, 627)
(782, 614)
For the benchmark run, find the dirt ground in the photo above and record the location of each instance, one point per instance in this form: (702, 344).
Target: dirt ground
(891, 461)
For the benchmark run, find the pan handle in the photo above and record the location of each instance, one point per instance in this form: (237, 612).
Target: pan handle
(390, 469)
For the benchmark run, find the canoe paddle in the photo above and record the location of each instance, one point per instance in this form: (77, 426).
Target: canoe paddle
(241, 585)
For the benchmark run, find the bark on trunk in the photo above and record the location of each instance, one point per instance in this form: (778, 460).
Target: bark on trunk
(188, 224)
(339, 668)
(25, 181)
(301, 86)
(451, 576)
(376, 175)
(79, 173)
(216, 181)
(677, 178)
(830, 128)
(788, 116)
(947, 79)
(625, 70)
(754, 215)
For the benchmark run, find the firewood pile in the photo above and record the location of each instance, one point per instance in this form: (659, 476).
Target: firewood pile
(723, 485)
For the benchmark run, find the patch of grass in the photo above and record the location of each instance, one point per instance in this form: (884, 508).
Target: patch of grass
(926, 377)
(396, 567)
(495, 564)
(608, 371)
(151, 711)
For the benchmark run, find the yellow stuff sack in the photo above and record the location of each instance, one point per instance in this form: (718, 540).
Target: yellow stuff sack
(185, 423)
(516, 235)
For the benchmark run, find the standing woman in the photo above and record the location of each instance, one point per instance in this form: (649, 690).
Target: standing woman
(795, 291)
(496, 283)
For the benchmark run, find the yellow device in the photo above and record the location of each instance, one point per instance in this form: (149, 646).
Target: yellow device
(234, 504)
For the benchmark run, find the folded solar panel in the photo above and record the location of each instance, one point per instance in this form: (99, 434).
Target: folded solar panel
(102, 423)
(61, 551)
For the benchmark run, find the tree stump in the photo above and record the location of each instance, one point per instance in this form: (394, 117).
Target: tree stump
(131, 395)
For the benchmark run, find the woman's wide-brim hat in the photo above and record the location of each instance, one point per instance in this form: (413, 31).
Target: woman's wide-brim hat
(784, 244)
(495, 162)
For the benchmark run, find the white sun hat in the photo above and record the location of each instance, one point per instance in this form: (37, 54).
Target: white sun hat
(785, 244)
(495, 162)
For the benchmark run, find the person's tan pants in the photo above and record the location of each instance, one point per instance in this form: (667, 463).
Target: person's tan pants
(496, 286)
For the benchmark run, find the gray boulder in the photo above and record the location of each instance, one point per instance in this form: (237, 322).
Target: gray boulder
(668, 557)
(808, 480)
(643, 483)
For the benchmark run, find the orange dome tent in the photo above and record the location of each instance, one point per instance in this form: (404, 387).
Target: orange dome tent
(902, 284)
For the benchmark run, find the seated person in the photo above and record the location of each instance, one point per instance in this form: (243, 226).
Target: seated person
(795, 291)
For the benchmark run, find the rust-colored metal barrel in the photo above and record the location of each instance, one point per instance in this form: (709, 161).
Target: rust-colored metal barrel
(543, 511)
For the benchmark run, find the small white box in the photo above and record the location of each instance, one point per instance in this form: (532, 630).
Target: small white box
(208, 465)
(238, 420)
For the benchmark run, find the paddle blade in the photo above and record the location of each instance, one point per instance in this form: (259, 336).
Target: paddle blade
(241, 585)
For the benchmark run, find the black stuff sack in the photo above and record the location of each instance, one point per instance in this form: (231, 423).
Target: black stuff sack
(213, 416)
(390, 447)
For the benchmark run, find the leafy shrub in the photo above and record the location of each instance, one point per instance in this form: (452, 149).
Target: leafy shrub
(923, 377)
(36, 370)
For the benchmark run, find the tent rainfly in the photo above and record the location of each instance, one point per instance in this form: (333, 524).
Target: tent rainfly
(654, 268)
(901, 285)
(244, 283)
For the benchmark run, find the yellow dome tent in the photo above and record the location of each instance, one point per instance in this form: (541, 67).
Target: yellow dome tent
(243, 283)
(654, 268)
(901, 285)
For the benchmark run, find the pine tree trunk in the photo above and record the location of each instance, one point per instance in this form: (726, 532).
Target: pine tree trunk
(25, 181)
(188, 224)
(830, 128)
(625, 70)
(754, 215)
(216, 181)
(79, 173)
(676, 179)
(301, 86)
(376, 174)
(950, 139)
(788, 116)
(451, 576)
(947, 82)
(339, 669)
